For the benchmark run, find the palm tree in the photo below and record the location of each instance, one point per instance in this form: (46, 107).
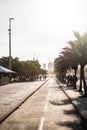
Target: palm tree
(71, 57)
(67, 59)
(60, 66)
(81, 47)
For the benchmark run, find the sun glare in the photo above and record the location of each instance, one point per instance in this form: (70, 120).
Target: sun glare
(42, 23)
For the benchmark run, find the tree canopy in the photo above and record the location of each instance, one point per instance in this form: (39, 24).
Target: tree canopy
(25, 70)
(72, 56)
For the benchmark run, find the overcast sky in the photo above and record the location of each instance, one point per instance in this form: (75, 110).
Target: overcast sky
(40, 27)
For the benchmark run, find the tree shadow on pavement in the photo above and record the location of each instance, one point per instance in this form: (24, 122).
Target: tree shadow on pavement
(71, 112)
(59, 102)
(75, 125)
(56, 87)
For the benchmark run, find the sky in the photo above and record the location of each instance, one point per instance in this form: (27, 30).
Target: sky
(41, 28)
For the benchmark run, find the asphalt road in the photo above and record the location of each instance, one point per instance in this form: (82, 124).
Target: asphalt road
(47, 109)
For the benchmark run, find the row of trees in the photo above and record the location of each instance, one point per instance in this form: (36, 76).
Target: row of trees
(71, 57)
(25, 70)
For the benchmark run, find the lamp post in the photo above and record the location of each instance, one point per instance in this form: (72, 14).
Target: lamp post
(10, 41)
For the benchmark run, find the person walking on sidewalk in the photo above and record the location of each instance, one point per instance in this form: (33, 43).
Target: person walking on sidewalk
(68, 79)
(74, 80)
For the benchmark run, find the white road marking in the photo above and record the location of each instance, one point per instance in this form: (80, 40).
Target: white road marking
(40, 126)
(45, 108)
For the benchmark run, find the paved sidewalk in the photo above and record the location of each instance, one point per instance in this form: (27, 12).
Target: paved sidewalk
(13, 95)
(48, 109)
(80, 103)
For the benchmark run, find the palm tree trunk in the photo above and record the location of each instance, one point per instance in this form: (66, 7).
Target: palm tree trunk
(75, 71)
(75, 81)
(84, 82)
(82, 78)
(80, 87)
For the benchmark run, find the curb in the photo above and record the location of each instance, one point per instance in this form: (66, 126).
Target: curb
(18, 105)
(82, 116)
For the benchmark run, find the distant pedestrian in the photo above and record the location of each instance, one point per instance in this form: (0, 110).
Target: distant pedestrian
(74, 80)
(37, 77)
(71, 80)
(68, 79)
(40, 77)
(44, 77)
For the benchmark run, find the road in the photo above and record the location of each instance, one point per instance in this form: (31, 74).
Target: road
(47, 109)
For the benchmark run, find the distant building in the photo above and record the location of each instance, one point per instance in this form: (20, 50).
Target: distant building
(44, 66)
(50, 66)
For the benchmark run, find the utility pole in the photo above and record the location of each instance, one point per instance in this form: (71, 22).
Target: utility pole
(10, 41)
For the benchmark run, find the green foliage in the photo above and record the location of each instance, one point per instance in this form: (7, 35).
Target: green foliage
(81, 47)
(71, 57)
(25, 70)
(4, 61)
(67, 59)
(43, 71)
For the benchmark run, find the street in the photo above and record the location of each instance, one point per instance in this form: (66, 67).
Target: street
(47, 109)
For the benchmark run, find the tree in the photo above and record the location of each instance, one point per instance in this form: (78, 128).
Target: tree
(43, 71)
(71, 57)
(4, 61)
(81, 48)
(60, 66)
(32, 69)
(68, 59)
(25, 70)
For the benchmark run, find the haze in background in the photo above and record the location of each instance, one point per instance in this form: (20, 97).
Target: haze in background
(41, 27)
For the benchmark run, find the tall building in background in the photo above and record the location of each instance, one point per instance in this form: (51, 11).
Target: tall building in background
(50, 69)
(50, 66)
(44, 66)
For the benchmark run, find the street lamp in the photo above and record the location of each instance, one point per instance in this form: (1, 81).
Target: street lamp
(10, 41)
